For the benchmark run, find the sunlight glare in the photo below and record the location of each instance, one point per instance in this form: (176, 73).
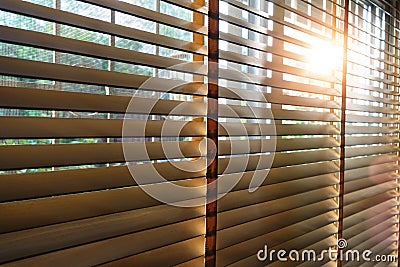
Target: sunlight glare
(324, 57)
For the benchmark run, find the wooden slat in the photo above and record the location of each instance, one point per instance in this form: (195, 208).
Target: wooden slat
(355, 95)
(369, 108)
(370, 119)
(240, 233)
(236, 111)
(369, 181)
(370, 150)
(232, 147)
(14, 97)
(243, 198)
(370, 170)
(189, 5)
(123, 246)
(53, 183)
(42, 70)
(29, 98)
(382, 232)
(172, 255)
(354, 208)
(148, 14)
(366, 140)
(27, 243)
(232, 75)
(370, 130)
(370, 212)
(35, 127)
(387, 215)
(236, 252)
(46, 211)
(68, 45)
(41, 156)
(62, 17)
(369, 192)
(252, 129)
(256, 162)
(277, 175)
(354, 163)
(264, 64)
(298, 193)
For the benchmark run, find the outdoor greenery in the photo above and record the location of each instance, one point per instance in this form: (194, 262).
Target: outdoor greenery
(43, 55)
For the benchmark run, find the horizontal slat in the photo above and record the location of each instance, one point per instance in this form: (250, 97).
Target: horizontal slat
(370, 212)
(35, 127)
(277, 95)
(354, 95)
(148, 14)
(42, 70)
(123, 246)
(354, 163)
(235, 129)
(354, 208)
(369, 192)
(38, 156)
(42, 184)
(240, 233)
(172, 255)
(189, 5)
(251, 163)
(387, 215)
(96, 25)
(236, 111)
(230, 147)
(235, 253)
(197, 262)
(46, 211)
(366, 140)
(286, 196)
(372, 170)
(239, 199)
(68, 45)
(275, 81)
(260, 46)
(274, 66)
(369, 181)
(370, 119)
(385, 233)
(370, 130)
(370, 150)
(41, 240)
(29, 98)
(369, 108)
(14, 97)
(277, 175)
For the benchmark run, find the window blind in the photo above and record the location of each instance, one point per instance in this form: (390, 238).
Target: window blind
(103, 103)
(70, 69)
(370, 181)
(295, 207)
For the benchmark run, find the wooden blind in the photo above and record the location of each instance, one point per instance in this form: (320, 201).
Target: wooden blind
(100, 99)
(371, 179)
(277, 43)
(70, 69)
